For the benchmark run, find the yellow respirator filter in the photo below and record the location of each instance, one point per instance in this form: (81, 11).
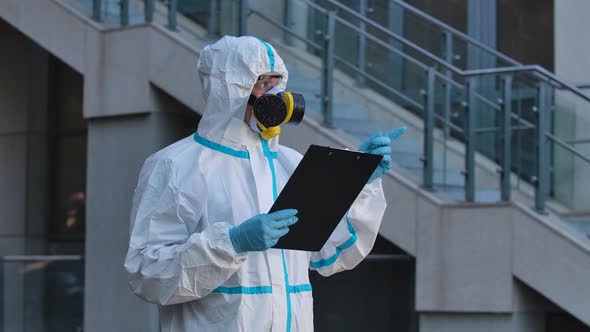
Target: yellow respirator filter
(272, 110)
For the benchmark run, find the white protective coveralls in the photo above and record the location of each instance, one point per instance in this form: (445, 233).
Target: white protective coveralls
(190, 193)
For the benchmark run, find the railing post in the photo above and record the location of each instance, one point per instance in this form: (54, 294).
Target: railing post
(244, 11)
(172, 6)
(149, 11)
(124, 10)
(506, 137)
(395, 62)
(448, 55)
(97, 10)
(328, 71)
(542, 183)
(362, 45)
(212, 23)
(470, 140)
(428, 157)
(288, 21)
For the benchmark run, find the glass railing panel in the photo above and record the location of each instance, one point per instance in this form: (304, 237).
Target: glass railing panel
(466, 55)
(198, 11)
(82, 5)
(111, 11)
(346, 47)
(570, 150)
(524, 120)
(401, 80)
(228, 17)
(431, 37)
(395, 75)
(448, 156)
(488, 140)
(301, 48)
(489, 147)
(188, 18)
(42, 293)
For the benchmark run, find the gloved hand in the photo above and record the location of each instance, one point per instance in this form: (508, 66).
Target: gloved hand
(379, 144)
(262, 231)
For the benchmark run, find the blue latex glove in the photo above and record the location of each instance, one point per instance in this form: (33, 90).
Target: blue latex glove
(379, 144)
(262, 231)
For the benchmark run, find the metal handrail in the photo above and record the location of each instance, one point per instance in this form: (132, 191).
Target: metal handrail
(382, 43)
(395, 36)
(454, 31)
(528, 68)
(568, 147)
(394, 50)
(381, 84)
(465, 73)
(286, 29)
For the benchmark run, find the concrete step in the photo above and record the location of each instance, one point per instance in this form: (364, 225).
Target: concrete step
(579, 224)
(443, 178)
(481, 196)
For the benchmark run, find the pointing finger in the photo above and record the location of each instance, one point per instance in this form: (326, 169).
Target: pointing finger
(397, 132)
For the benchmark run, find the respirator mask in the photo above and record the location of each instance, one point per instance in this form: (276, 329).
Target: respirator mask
(275, 108)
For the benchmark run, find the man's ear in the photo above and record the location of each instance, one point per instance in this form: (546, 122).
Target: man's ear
(252, 99)
(248, 113)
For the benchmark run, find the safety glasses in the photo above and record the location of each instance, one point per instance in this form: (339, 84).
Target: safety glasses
(267, 81)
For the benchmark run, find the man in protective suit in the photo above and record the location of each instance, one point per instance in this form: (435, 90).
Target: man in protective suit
(201, 240)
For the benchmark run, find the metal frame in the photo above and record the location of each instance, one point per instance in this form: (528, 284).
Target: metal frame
(149, 10)
(244, 12)
(124, 9)
(506, 138)
(470, 140)
(542, 181)
(27, 258)
(97, 10)
(428, 157)
(362, 45)
(212, 23)
(172, 12)
(328, 71)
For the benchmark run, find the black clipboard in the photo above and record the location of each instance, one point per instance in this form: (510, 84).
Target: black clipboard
(322, 188)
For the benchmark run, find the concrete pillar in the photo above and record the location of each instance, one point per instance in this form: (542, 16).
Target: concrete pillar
(528, 315)
(572, 62)
(482, 25)
(478, 322)
(396, 25)
(117, 147)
